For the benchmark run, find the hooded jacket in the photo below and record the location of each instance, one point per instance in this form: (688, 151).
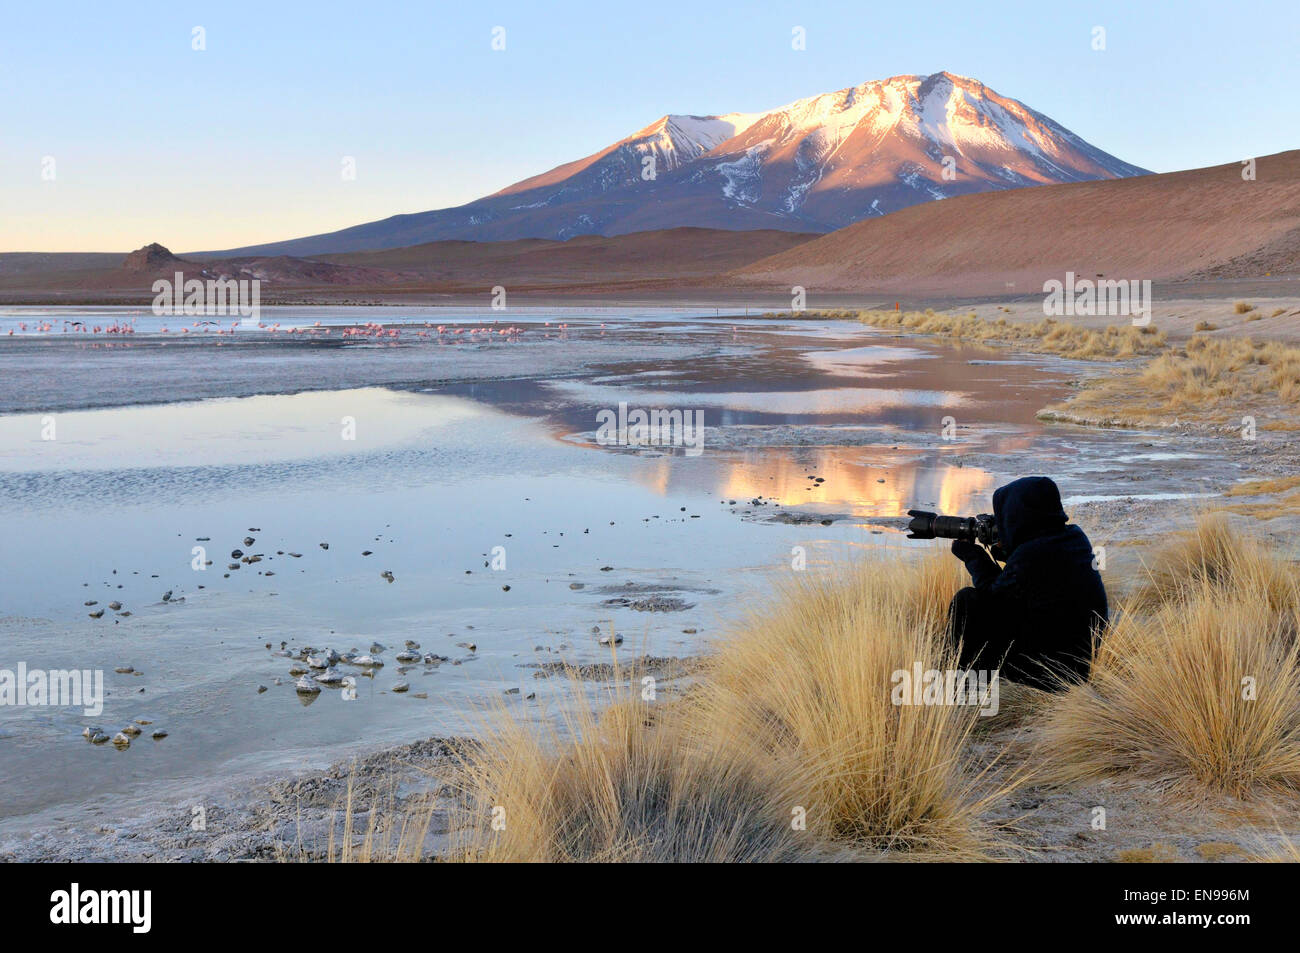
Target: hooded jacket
(1048, 599)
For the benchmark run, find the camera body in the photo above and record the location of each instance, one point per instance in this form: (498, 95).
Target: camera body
(982, 529)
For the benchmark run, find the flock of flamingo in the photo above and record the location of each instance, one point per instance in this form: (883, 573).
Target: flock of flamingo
(370, 329)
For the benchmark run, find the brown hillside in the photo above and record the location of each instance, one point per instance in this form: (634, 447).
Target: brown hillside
(1200, 224)
(678, 253)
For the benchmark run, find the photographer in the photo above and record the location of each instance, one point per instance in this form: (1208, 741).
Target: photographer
(1036, 615)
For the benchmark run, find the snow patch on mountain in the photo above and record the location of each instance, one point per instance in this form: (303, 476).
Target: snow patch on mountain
(743, 177)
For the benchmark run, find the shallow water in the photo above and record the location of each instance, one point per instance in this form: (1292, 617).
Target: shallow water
(451, 466)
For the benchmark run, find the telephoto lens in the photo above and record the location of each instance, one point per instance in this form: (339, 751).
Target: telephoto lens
(973, 529)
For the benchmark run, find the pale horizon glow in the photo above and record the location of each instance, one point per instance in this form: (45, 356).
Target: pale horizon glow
(243, 142)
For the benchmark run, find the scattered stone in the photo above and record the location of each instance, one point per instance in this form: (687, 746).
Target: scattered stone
(408, 656)
(306, 686)
(387, 574)
(401, 687)
(331, 676)
(124, 670)
(324, 545)
(368, 661)
(159, 735)
(98, 613)
(121, 741)
(614, 639)
(577, 585)
(115, 606)
(99, 739)
(651, 603)
(89, 733)
(167, 596)
(249, 541)
(262, 688)
(131, 730)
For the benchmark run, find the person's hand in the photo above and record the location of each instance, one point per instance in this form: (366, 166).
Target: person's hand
(965, 550)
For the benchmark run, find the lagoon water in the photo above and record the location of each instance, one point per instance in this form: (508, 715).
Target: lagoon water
(468, 468)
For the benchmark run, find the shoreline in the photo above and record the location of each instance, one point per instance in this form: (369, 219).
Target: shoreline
(257, 822)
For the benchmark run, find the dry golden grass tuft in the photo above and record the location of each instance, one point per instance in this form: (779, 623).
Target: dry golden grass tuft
(1049, 335)
(791, 721)
(1243, 307)
(1213, 554)
(618, 782)
(1195, 690)
(1157, 853)
(807, 689)
(1210, 380)
(1278, 497)
(1213, 851)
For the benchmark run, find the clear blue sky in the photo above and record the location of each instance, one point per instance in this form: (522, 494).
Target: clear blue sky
(243, 142)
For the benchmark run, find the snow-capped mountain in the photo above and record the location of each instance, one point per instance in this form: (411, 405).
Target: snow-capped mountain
(815, 165)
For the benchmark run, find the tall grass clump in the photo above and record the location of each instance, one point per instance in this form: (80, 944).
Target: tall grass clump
(1195, 688)
(616, 780)
(806, 690)
(788, 747)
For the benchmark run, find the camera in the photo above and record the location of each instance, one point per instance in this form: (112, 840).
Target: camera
(974, 529)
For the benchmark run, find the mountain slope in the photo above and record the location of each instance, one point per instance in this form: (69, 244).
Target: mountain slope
(1198, 224)
(815, 165)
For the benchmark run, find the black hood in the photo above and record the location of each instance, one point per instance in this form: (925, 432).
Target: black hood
(1027, 509)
